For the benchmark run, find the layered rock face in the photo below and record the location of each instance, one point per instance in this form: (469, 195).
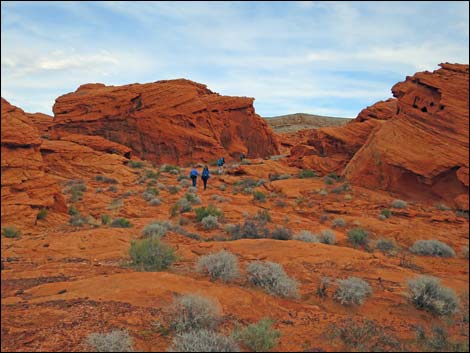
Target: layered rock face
(176, 121)
(330, 149)
(422, 151)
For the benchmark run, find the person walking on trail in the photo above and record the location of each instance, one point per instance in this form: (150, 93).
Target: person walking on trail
(220, 164)
(205, 176)
(193, 175)
(242, 156)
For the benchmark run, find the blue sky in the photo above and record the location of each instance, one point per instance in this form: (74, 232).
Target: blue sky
(327, 58)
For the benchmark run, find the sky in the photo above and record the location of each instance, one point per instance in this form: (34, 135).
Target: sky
(325, 58)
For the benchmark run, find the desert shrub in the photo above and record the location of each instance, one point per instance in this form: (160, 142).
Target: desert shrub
(386, 213)
(184, 183)
(439, 341)
(427, 293)
(259, 337)
(245, 161)
(194, 312)
(151, 174)
(358, 236)
(281, 233)
(272, 278)
(147, 196)
(192, 189)
(161, 186)
(275, 176)
(324, 218)
(259, 196)
(78, 220)
(341, 188)
(338, 222)
(327, 237)
(193, 198)
(363, 336)
(105, 219)
(42, 214)
(462, 213)
(155, 202)
(399, 204)
(153, 191)
(348, 197)
(183, 221)
(105, 179)
(11, 232)
(218, 198)
(352, 290)
(382, 217)
(323, 192)
(307, 173)
(432, 248)
(151, 254)
(172, 189)
(222, 187)
(306, 236)
(322, 287)
(115, 204)
(75, 188)
(167, 168)
(99, 190)
(249, 230)
(211, 210)
(222, 265)
(280, 203)
(113, 188)
(113, 341)
(210, 222)
(385, 245)
(181, 206)
(328, 180)
(157, 229)
(203, 341)
(135, 164)
(121, 223)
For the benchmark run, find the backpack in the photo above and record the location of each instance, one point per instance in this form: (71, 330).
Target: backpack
(205, 173)
(193, 172)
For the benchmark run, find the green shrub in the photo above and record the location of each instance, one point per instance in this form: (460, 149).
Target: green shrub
(121, 223)
(352, 291)
(222, 265)
(399, 204)
(11, 232)
(329, 181)
(105, 219)
(151, 174)
(181, 206)
(113, 341)
(210, 222)
(259, 337)
(271, 277)
(427, 293)
(135, 164)
(151, 254)
(192, 312)
(259, 196)
(113, 188)
(203, 341)
(432, 248)
(105, 179)
(211, 210)
(386, 213)
(42, 214)
(358, 236)
(281, 233)
(307, 173)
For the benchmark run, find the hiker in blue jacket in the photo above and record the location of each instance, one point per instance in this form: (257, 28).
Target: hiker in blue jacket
(193, 175)
(205, 176)
(220, 164)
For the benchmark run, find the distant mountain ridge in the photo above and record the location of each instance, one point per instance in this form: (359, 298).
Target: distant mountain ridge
(300, 121)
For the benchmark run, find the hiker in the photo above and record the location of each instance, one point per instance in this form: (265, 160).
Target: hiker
(220, 164)
(193, 175)
(205, 176)
(242, 156)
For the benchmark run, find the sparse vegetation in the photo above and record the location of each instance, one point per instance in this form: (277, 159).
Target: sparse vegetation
(222, 265)
(105, 179)
(263, 216)
(135, 164)
(439, 341)
(328, 180)
(386, 213)
(385, 245)
(358, 236)
(259, 196)
(42, 214)
(192, 198)
(427, 293)
(323, 286)
(271, 277)
(121, 223)
(260, 336)
(155, 202)
(105, 219)
(181, 206)
(113, 341)
(151, 254)
(78, 220)
(11, 232)
(307, 237)
(352, 290)
(399, 204)
(249, 230)
(210, 222)
(172, 189)
(211, 210)
(338, 222)
(167, 168)
(327, 237)
(156, 229)
(274, 177)
(203, 341)
(307, 173)
(432, 248)
(193, 312)
(281, 233)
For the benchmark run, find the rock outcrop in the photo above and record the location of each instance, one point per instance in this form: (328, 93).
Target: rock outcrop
(422, 151)
(176, 121)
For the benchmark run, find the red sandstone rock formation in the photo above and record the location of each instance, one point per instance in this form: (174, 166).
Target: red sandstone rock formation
(422, 151)
(174, 121)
